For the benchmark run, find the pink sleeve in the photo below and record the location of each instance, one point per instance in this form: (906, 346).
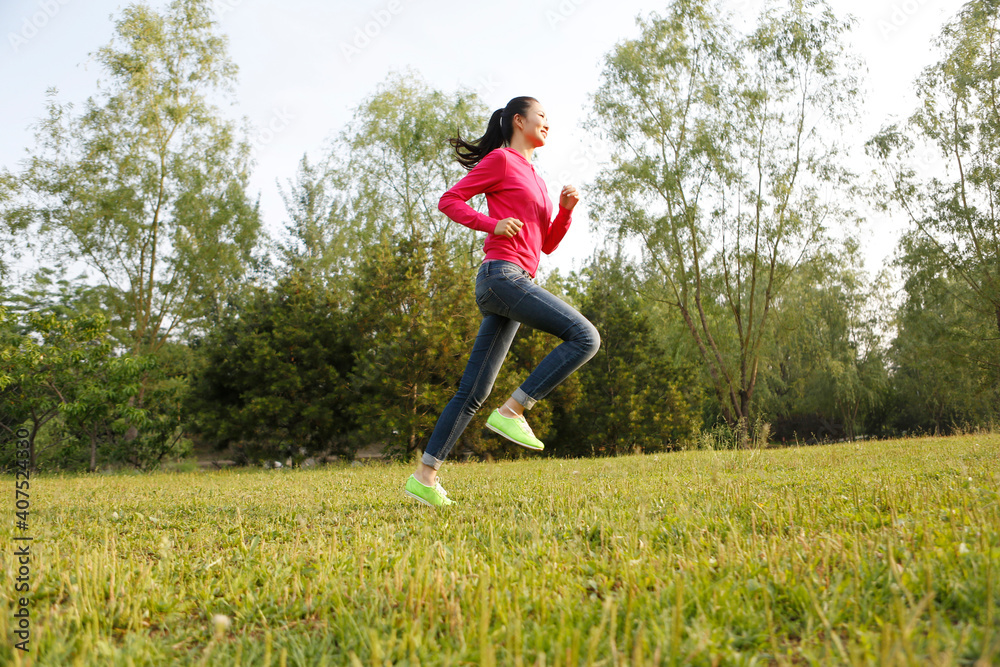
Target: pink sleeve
(484, 176)
(557, 230)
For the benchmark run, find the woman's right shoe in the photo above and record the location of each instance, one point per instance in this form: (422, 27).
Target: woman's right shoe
(515, 429)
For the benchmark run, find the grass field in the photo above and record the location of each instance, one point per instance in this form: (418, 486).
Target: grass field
(876, 553)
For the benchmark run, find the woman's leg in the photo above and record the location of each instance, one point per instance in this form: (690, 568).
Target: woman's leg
(507, 296)
(540, 309)
(492, 343)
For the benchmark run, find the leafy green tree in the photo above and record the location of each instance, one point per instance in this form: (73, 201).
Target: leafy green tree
(271, 376)
(958, 120)
(824, 371)
(102, 411)
(32, 373)
(948, 333)
(64, 368)
(414, 321)
(945, 374)
(147, 185)
(318, 240)
(392, 162)
(14, 375)
(631, 394)
(92, 392)
(92, 386)
(723, 149)
(163, 432)
(12, 227)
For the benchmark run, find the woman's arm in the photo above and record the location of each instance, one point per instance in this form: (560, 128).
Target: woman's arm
(568, 199)
(484, 176)
(557, 230)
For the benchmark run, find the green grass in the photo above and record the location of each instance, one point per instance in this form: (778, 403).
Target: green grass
(878, 553)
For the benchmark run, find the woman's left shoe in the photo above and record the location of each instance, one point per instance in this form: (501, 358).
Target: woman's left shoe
(515, 429)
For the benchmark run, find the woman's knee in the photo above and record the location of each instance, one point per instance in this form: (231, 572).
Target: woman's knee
(588, 338)
(477, 396)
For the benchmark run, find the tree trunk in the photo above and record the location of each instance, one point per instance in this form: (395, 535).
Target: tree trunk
(32, 453)
(413, 422)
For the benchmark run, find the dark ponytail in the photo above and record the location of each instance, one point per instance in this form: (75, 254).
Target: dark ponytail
(498, 133)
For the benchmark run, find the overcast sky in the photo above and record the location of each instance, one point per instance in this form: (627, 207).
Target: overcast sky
(306, 64)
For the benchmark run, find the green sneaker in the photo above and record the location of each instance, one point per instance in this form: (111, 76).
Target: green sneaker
(433, 496)
(515, 429)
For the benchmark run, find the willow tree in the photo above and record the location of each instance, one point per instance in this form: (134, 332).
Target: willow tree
(380, 179)
(147, 185)
(11, 227)
(724, 156)
(953, 199)
(392, 162)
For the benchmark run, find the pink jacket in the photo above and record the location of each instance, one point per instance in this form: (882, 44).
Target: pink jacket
(513, 190)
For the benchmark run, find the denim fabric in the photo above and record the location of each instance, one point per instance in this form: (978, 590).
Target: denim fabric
(507, 296)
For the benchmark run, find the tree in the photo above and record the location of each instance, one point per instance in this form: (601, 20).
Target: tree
(101, 411)
(392, 162)
(824, 371)
(147, 185)
(62, 367)
(89, 386)
(955, 209)
(722, 150)
(945, 370)
(318, 239)
(631, 395)
(414, 328)
(271, 376)
(12, 227)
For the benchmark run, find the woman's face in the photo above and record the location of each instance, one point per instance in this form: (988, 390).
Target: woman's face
(535, 125)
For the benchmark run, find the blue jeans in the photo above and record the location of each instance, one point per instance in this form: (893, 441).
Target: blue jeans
(507, 296)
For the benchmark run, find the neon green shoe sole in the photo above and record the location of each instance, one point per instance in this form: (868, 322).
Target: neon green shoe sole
(515, 429)
(432, 496)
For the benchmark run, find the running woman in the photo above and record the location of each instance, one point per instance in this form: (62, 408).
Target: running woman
(519, 228)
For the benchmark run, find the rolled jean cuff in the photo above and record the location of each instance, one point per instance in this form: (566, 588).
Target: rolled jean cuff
(429, 460)
(527, 401)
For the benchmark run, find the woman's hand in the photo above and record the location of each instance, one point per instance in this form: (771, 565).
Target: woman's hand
(569, 197)
(508, 227)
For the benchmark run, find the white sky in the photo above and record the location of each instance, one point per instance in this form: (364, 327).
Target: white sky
(304, 66)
